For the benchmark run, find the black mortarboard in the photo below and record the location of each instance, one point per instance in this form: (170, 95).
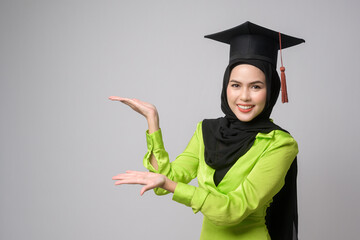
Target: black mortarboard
(251, 41)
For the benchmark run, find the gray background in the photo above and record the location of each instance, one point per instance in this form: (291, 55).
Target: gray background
(62, 140)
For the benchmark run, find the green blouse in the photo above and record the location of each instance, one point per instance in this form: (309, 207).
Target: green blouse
(236, 208)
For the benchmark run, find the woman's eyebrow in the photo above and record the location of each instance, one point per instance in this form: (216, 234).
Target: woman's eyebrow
(254, 82)
(257, 82)
(232, 80)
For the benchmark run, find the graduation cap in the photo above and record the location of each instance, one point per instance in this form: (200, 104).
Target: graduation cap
(251, 41)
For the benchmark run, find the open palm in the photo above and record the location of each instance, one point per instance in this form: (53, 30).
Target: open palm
(148, 179)
(146, 109)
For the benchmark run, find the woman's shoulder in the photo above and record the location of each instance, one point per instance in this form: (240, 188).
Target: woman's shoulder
(276, 133)
(278, 139)
(198, 130)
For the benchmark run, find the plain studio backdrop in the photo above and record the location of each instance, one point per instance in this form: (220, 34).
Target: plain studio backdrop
(62, 140)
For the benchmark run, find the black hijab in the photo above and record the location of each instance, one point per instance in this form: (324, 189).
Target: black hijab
(227, 138)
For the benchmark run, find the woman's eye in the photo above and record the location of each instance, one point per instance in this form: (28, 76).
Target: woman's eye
(256, 87)
(235, 85)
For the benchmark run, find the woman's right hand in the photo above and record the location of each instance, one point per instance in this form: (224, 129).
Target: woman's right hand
(148, 110)
(148, 179)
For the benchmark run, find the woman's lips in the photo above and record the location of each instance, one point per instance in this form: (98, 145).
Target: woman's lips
(245, 108)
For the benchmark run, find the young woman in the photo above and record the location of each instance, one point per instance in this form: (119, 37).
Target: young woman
(244, 163)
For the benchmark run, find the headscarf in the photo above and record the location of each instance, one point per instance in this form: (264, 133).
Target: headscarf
(227, 138)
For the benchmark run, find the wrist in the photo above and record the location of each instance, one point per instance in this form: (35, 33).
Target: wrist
(153, 123)
(169, 185)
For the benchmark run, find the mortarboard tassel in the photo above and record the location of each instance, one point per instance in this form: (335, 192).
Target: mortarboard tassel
(284, 95)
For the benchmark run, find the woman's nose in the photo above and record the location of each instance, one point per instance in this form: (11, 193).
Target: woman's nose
(244, 95)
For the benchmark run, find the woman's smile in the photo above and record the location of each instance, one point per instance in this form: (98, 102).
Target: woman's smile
(245, 108)
(246, 92)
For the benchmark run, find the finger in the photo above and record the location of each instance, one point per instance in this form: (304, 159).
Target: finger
(134, 101)
(143, 103)
(122, 99)
(116, 98)
(135, 106)
(119, 176)
(136, 172)
(145, 189)
(126, 101)
(146, 104)
(126, 176)
(129, 181)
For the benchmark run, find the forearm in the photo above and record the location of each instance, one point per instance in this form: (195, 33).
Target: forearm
(153, 162)
(153, 124)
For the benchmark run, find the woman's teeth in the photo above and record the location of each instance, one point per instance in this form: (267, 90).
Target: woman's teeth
(244, 107)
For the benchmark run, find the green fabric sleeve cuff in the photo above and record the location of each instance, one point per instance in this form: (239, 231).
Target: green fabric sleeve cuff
(190, 196)
(183, 193)
(155, 146)
(154, 140)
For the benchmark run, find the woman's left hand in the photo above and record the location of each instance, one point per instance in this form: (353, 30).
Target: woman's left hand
(148, 110)
(148, 179)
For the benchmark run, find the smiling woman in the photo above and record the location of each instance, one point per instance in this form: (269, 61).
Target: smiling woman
(245, 164)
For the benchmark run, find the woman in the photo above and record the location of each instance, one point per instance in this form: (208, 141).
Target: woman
(242, 160)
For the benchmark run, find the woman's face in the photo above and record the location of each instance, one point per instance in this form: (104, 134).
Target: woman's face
(246, 92)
